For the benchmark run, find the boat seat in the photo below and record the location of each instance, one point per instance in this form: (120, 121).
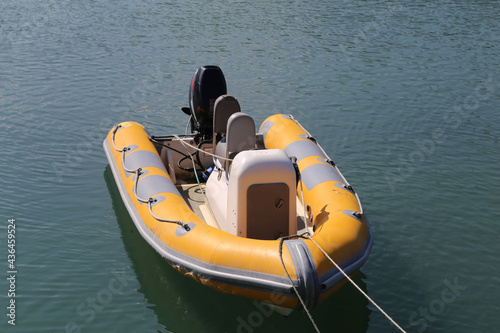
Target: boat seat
(261, 195)
(240, 136)
(225, 106)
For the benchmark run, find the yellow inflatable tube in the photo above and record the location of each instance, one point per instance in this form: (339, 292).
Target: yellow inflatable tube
(245, 267)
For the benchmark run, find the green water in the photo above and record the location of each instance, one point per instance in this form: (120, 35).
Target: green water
(403, 96)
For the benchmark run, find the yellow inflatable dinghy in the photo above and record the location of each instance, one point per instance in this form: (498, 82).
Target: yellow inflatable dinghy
(245, 212)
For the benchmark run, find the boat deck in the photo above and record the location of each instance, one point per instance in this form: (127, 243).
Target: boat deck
(194, 195)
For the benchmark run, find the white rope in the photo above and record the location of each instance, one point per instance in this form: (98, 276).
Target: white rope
(282, 239)
(194, 166)
(203, 151)
(187, 125)
(360, 290)
(202, 191)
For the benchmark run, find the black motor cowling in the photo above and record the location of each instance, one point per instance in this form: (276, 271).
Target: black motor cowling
(208, 83)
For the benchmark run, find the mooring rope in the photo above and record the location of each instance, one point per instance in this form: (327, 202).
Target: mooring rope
(187, 125)
(153, 139)
(282, 239)
(355, 285)
(201, 150)
(185, 144)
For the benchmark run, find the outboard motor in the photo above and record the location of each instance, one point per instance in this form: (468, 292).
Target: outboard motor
(208, 83)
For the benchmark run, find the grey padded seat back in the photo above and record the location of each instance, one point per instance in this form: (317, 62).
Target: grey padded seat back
(224, 107)
(240, 135)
